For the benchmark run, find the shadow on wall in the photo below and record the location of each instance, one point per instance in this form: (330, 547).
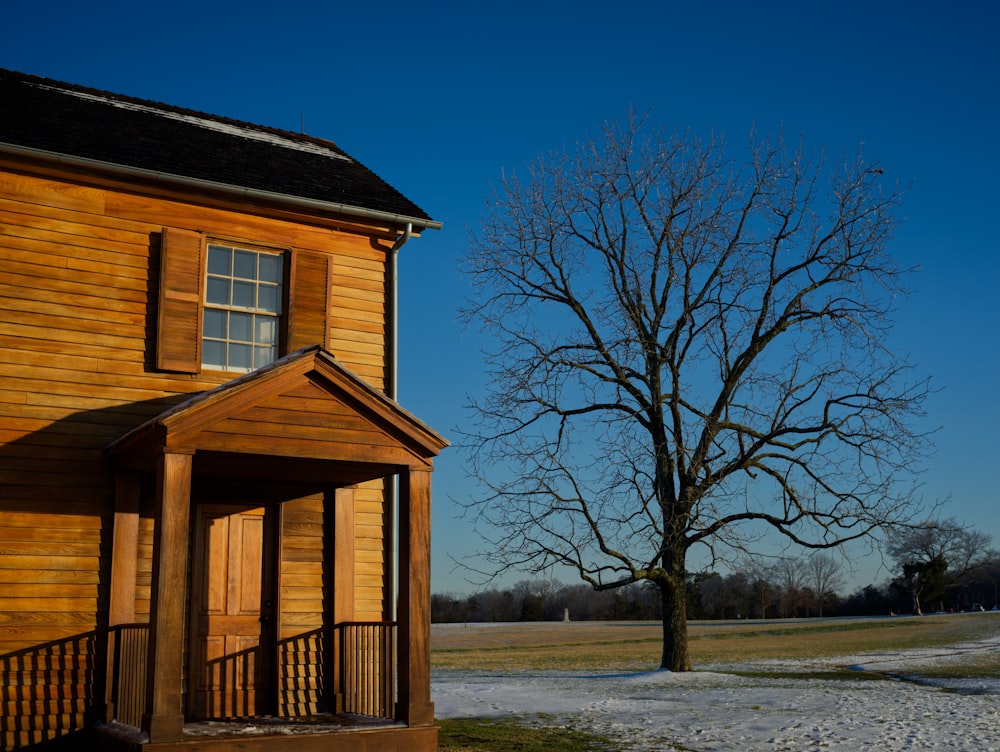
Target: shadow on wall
(56, 504)
(50, 692)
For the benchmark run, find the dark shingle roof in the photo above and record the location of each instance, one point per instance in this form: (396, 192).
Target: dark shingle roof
(89, 124)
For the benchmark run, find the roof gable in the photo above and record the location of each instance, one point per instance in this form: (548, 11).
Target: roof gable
(88, 124)
(305, 406)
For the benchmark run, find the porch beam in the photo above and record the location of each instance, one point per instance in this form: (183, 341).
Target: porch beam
(164, 717)
(414, 702)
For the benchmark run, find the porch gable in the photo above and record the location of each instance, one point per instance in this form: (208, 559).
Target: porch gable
(305, 405)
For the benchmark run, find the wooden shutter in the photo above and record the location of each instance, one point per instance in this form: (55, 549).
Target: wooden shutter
(309, 300)
(178, 325)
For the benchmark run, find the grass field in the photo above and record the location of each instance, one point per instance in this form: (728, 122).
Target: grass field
(736, 646)
(635, 646)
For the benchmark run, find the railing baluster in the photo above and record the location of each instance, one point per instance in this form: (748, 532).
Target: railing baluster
(129, 679)
(368, 667)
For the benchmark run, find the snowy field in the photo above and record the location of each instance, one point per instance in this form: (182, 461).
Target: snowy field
(713, 709)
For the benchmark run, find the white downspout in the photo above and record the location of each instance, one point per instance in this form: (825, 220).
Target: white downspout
(393, 375)
(392, 379)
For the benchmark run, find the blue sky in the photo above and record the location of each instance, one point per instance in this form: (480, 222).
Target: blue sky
(438, 98)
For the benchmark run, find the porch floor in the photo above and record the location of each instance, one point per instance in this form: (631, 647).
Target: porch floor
(270, 726)
(121, 736)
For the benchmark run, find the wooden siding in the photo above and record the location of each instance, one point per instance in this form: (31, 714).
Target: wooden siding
(303, 594)
(79, 268)
(306, 581)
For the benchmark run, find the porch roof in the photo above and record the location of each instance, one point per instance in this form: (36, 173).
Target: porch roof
(306, 414)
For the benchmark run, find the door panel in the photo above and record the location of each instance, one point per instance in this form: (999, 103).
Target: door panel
(230, 645)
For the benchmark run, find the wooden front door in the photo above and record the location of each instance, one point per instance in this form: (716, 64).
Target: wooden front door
(231, 666)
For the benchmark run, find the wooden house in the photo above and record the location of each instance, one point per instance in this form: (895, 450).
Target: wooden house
(214, 517)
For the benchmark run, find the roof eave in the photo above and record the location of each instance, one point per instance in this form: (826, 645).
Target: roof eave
(390, 219)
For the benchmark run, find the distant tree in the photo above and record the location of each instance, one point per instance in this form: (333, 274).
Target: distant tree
(823, 575)
(696, 608)
(446, 608)
(789, 579)
(498, 606)
(686, 350)
(936, 555)
(759, 578)
(579, 599)
(990, 580)
(532, 608)
(711, 595)
(926, 580)
(738, 591)
(725, 596)
(539, 599)
(871, 600)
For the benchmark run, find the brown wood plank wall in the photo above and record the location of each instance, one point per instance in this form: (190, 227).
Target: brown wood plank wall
(303, 597)
(304, 584)
(78, 268)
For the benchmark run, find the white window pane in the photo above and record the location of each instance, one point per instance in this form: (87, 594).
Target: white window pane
(215, 324)
(239, 357)
(244, 294)
(270, 268)
(217, 291)
(264, 355)
(268, 298)
(240, 327)
(245, 264)
(213, 354)
(267, 330)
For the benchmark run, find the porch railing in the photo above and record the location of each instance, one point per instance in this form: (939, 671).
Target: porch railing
(128, 676)
(368, 667)
(367, 654)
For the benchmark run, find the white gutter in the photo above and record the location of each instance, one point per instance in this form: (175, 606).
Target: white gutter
(389, 218)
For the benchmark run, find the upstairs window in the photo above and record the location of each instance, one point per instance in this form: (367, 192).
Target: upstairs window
(241, 330)
(232, 307)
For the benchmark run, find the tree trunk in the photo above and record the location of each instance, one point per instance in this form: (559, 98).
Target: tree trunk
(675, 636)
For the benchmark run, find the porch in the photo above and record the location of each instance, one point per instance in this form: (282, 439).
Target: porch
(223, 658)
(364, 685)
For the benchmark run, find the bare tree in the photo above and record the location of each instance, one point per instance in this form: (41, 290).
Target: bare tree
(790, 579)
(823, 573)
(760, 576)
(687, 351)
(938, 554)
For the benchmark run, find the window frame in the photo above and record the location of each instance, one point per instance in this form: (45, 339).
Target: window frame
(281, 316)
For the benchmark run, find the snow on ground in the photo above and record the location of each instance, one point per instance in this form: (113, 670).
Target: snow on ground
(712, 710)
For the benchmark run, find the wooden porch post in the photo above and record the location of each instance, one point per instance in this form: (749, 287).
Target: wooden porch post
(124, 549)
(414, 704)
(164, 716)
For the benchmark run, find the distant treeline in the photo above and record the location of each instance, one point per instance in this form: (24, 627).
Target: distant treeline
(710, 596)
